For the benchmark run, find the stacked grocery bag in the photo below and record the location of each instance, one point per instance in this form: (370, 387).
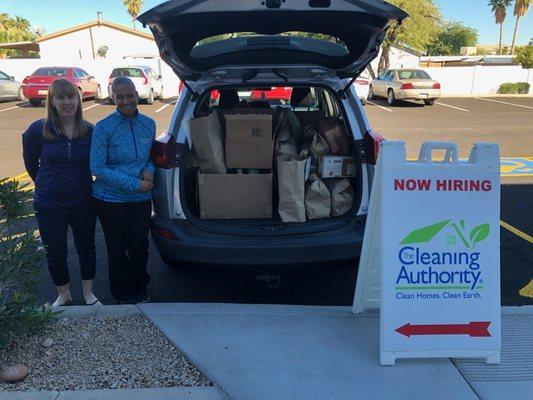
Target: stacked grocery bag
(258, 151)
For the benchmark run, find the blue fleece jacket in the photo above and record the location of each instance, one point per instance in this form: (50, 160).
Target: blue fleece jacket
(120, 152)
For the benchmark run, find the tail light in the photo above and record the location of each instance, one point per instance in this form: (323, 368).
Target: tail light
(361, 82)
(436, 85)
(165, 234)
(25, 81)
(407, 86)
(371, 144)
(145, 80)
(164, 151)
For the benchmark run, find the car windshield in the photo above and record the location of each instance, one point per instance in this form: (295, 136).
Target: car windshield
(51, 72)
(130, 72)
(413, 74)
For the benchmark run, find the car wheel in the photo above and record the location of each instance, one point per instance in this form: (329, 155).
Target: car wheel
(391, 99)
(35, 102)
(150, 98)
(429, 102)
(371, 93)
(98, 94)
(20, 95)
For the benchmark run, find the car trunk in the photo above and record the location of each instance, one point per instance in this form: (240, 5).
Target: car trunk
(206, 196)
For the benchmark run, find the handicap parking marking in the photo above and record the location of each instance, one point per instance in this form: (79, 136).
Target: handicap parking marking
(516, 166)
(377, 105)
(504, 102)
(447, 105)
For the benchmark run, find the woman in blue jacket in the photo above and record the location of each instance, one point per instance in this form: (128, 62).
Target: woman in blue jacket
(120, 161)
(56, 155)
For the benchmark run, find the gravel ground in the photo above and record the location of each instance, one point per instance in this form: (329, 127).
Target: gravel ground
(95, 353)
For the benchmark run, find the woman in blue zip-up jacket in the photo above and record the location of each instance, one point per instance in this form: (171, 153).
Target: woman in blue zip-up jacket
(56, 155)
(120, 161)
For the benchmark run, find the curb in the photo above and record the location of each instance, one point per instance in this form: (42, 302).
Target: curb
(178, 393)
(110, 311)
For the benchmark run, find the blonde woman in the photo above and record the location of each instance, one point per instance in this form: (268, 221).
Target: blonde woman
(56, 153)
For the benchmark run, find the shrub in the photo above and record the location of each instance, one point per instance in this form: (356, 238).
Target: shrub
(508, 88)
(21, 258)
(522, 87)
(524, 56)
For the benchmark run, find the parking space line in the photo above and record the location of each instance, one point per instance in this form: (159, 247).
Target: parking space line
(516, 231)
(10, 108)
(377, 105)
(447, 105)
(94, 105)
(504, 102)
(165, 106)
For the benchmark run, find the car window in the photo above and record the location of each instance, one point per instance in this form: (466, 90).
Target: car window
(413, 74)
(129, 72)
(3, 76)
(77, 74)
(50, 71)
(390, 76)
(83, 73)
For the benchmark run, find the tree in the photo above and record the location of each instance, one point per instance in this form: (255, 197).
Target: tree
(134, 8)
(453, 36)
(499, 8)
(524, 56)
(416, 32)
(520, 10)
(14, 30)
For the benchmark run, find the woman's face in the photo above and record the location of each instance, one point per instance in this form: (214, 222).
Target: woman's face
(66, 105)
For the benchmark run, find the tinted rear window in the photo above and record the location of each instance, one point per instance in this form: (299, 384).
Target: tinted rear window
(51, 72)
(413, 74)
(129, 72)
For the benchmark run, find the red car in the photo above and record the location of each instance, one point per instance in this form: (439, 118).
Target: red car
(35, 86)
(273, 93)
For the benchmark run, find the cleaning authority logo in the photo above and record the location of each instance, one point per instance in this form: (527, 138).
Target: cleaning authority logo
(451, 269)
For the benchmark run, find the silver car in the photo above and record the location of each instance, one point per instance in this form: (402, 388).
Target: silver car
(405, 84)
(10, 89)
(147, 83)
(195, 39)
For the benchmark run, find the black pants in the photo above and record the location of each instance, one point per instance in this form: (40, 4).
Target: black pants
(126, 228)
(53, 226)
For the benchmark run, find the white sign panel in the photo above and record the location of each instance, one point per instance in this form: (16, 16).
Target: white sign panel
(438, 225)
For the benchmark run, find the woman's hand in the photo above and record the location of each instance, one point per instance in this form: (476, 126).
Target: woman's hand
(146, 186)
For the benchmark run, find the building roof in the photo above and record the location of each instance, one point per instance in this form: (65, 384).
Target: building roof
(26, 46)
(91, 24)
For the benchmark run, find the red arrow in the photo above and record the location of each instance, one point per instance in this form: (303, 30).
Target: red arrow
(474, 329)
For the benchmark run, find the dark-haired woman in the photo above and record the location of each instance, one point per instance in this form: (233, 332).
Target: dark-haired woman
(56, 153)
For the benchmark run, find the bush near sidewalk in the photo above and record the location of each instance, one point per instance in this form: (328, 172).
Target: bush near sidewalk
(514, 88)
(21, 258)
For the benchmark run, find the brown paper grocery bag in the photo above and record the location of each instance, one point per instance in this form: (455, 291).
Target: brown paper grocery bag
(291, 185)
(342, 196)
(207, 144)
(317, 198)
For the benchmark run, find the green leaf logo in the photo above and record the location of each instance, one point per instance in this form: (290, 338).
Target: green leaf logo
(425, 234)
(479, 233)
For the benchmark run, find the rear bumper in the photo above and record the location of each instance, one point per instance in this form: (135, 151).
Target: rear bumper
(192, 245)
(417, 94)
(35, 92)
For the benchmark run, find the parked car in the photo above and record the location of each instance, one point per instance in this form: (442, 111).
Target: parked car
(35, 87)
(405, 84)
(147, 83)
(362, 84)
(318, 71)
(10, 89)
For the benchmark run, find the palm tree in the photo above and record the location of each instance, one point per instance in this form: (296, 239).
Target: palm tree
(520, 10)
(499, 8)
(133, 7)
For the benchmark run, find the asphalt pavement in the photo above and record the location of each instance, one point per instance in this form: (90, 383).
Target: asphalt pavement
(506, 121)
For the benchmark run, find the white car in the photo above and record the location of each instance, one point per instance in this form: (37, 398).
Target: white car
(147, 83)
(361, 84)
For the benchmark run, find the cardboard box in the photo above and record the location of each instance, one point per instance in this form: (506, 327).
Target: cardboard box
(249, 142)
(235, 196)
(337, 167)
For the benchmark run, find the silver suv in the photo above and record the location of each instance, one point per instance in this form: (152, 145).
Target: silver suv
(222, 50)
(147, 83)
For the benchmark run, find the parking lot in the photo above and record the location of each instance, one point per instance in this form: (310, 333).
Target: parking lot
(507, 121)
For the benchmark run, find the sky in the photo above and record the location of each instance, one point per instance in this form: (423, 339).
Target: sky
(54, 15)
